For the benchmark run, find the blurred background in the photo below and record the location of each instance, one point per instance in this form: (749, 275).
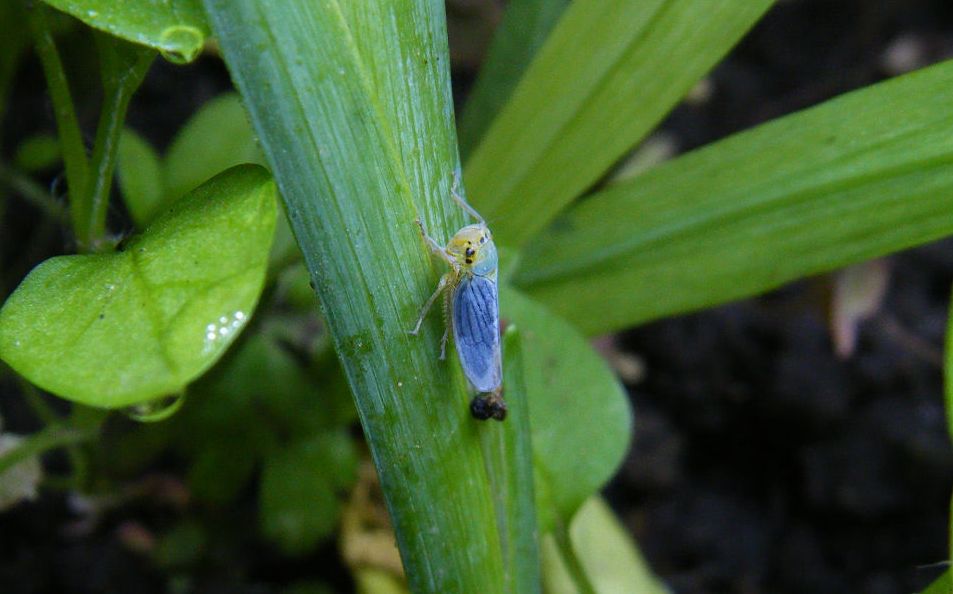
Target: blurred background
(795, 442)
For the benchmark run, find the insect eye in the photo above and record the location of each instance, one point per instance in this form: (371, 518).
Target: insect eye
(469, 252)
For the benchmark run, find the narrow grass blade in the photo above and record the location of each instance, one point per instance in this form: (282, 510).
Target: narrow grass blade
(524, 28)
(604, 551)
(610, 71)
(948, 385)
(508, 454)
(942, 585)
(351, 103)
(863, 175)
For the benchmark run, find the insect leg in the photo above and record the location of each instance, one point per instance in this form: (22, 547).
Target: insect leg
(423, 312)
(435, 247)
(461, 201)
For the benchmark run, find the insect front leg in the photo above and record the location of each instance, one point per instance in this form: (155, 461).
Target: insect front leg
(435, 247)
(444, 281)
(461, 201)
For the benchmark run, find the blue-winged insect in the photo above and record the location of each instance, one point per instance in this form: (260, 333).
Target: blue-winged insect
(471, 304)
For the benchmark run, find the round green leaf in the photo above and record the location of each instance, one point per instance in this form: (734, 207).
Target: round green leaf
(111, 330)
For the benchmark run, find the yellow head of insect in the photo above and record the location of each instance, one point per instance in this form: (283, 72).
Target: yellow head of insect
(472, 247)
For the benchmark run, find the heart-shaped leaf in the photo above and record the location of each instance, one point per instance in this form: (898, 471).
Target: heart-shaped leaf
(111, 330)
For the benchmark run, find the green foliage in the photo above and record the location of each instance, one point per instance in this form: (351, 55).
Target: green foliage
(37, 153)
(299, 504)
(524, 28)
(942, 585)
(581, 421)
(508, 456)
(159, 312)
(352, 103)
(575, 113)
(139, 173)
(216, 137)
(176, 28)
(948, 385)
(860, 176)
(360, 141)
(606, 553)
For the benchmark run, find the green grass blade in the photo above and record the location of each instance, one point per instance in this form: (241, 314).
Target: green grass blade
(524, 28)
(360, 139)
(858, 177)
(606, 76)
(948, 384)
(942, 585)
(508, 454)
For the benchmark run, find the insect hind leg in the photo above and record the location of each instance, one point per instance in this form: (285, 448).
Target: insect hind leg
(444, 280)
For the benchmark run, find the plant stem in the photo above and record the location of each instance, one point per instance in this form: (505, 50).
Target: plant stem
(71, 138)
(573, 564)
(118, 88)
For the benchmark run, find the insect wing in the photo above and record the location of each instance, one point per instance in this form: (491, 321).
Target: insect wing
(476, 332)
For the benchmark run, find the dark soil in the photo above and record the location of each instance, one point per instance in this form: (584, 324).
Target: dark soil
(762, 462)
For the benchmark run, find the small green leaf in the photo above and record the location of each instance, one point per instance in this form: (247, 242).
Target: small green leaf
(575, 113)
(217, 137)
(113, 330)
(581, 419)
(177, 28)
(299, 504)
(606, 552)
(140, 177)
(37, 153)
(858, 177)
